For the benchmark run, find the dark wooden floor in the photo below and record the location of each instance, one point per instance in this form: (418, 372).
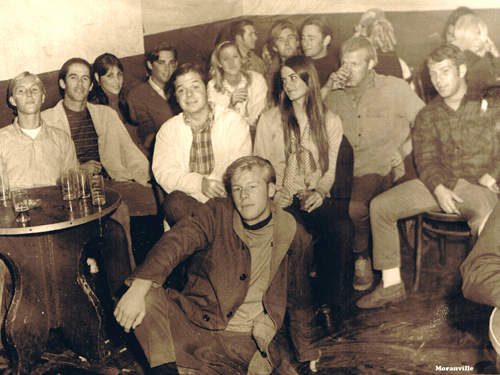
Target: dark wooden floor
(433, 327)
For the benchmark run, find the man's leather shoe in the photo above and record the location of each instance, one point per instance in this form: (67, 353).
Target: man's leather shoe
(329, 319)
(363, 274)
(382, 296)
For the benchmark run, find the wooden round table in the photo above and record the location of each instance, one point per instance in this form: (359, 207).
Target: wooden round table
(47, 262)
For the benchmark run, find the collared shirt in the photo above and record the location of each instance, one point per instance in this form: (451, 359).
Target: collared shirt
(230, 141)
(201, 156)
(256, 101)
(158, 89)
(35, 162)
(377, 117)
(449, 144)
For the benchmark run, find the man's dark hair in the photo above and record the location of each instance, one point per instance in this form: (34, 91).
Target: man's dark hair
(154, 54)
(64, 71)
(446, 51)
(321, 23)
(185, 69)
(238, 28)
(247, 163)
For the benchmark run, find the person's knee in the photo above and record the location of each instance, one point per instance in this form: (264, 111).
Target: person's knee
(177, 205)
(157, 305)
(380, 206)
(172, 204)
(358, 211)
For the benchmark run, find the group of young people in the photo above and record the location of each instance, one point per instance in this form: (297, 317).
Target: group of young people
(249, 162)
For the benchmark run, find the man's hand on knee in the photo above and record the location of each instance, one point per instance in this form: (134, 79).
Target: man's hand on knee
(446, 199)
(131, 308)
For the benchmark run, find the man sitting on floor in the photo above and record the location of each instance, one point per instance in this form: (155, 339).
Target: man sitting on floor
(194, 148)
(249, 269)
(103, 144)
(457, 153)
(148, 102)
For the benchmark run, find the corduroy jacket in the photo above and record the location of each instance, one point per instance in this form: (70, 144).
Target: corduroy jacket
(219, 277)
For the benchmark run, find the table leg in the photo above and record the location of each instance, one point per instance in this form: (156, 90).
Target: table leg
(80, 313)
(27, 323)
(51, 291)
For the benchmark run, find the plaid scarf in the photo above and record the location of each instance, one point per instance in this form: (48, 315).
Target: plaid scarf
(201, 156)
(294, 165)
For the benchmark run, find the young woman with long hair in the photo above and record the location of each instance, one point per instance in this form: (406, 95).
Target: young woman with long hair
(108, 89)
(301, 139)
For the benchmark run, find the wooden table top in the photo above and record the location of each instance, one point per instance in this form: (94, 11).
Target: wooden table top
(54, 213)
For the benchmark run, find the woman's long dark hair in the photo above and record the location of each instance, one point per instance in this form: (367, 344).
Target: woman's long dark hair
(101, 66)
(314, 107)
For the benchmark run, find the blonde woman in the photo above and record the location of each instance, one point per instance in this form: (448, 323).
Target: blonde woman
(233, 87)
(481, 54)
(379, 31)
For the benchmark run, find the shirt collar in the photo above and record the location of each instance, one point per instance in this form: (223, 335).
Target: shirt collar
(157, 88)
(438, 100)
(209, 120)
(19, 131)
(241, 85)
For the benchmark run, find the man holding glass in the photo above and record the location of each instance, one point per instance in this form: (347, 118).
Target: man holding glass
(103, 144)
(377, 113)
(32, 152)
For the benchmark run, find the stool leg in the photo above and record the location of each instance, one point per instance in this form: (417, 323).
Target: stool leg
(442, 249)
(470, 244)
(418, 250)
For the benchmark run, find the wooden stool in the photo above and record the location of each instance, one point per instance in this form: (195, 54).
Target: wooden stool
(494, 331)
(443, 225)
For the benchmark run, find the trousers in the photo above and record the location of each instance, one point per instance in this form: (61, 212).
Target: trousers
(167, 335)
(412, 198)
